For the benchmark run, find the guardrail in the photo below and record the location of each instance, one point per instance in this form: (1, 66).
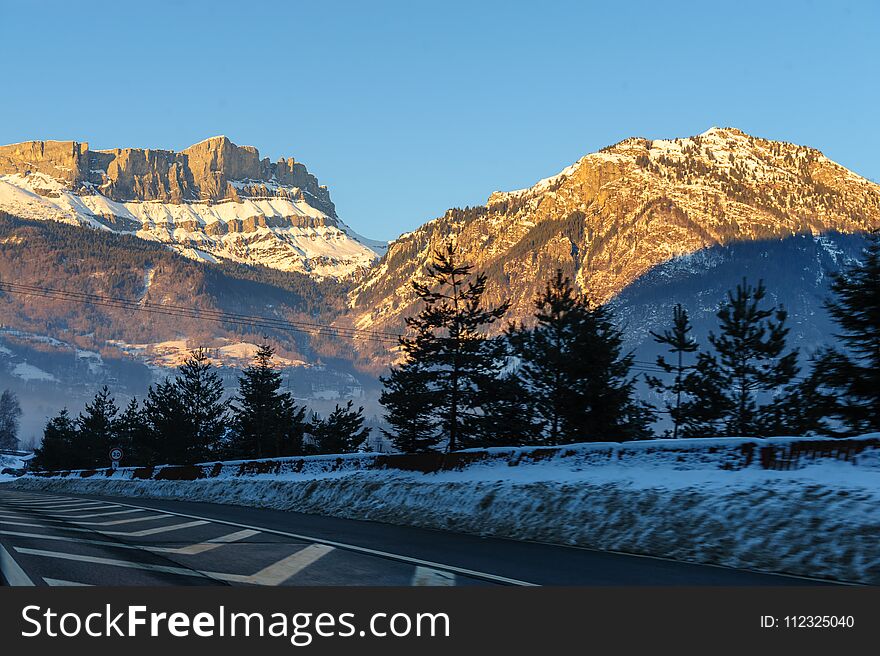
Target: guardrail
(775, 453)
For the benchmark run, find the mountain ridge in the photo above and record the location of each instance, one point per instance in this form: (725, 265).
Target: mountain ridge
(214, 199)
(613, 215)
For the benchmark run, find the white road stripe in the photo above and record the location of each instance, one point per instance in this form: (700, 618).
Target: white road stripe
(188, 550)
(54, 504)
(104, 514)
(58, 513)
(12, 571)
(279, 572)
(63, 583)
(116, 522)
(428, 576)
(135, 534)
(97, 560)
(202, 547)
(157, 530)
(353, 547)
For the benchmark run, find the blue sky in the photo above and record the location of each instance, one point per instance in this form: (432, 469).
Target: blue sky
(407, 108)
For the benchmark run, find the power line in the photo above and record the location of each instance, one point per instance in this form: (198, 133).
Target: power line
(218, 316)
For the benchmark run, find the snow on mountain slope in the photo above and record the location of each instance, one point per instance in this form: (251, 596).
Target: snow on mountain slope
(213, 201)
(614, 215)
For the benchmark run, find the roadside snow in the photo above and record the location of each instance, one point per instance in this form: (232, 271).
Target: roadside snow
(709, 500)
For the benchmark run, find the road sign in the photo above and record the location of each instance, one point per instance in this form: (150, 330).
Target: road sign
(116, 454)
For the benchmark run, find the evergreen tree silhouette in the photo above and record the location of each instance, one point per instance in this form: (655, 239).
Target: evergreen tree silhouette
(267, 422)
(680, 341)
(341, 432)
(845, 381)
(96, 430)
(448, 350)
(574, 371)
(57, 450)
(729, 388)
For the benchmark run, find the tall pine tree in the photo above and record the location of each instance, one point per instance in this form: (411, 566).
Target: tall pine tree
(58, 449)
(96, 433)
(574, 371)
(846, 381)
(679, 342)
(735, 389)
(448, 350)
(267, 422)
(201, 394)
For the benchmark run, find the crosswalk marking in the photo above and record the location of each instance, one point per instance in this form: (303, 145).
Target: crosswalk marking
(279, 572)
(12, 571)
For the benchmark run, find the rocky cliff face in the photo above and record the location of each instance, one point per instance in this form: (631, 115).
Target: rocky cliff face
(616, 214)
(212, 200)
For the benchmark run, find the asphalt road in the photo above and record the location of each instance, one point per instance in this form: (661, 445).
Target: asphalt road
(52, 539)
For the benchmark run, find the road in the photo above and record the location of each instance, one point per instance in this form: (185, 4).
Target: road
(52, 539)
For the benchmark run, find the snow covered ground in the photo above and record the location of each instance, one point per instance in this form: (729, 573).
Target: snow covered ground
(796, 505)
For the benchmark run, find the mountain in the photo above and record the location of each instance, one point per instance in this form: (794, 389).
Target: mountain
(618, 214)
(212, 201)
(56, 352)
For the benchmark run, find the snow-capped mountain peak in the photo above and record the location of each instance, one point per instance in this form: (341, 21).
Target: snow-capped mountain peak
(212, 201)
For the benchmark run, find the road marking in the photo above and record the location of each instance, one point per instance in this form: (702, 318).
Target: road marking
(43, 505)
(106, 514)
(495, 578)
(202, 547)
(135, 534)
(188, 550)
(428, 576)
(279, 572)
(116, 522)
(58, 513)
(62, 582)
(12, 571)
(157, 530)
(97, 560)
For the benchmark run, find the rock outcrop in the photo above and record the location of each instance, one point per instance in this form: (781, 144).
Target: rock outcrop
(214, 199)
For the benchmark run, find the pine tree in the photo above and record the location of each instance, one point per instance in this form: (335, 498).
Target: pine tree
(846, 381)
(267, 422)
(201, 394)
(10, 412)
(132, 436)
(341, 432)
(507, 415)
(168, 428)
(409, 401)
(57, 451)
(573, 369)
(96, 432)
(448, 349)
(680, 341)
(730, 388)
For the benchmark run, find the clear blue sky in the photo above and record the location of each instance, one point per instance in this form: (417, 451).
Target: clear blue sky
(407, 108)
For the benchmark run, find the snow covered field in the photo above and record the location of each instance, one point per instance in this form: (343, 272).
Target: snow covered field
(804, 506)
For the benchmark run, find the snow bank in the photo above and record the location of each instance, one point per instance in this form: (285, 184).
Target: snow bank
(794, 505)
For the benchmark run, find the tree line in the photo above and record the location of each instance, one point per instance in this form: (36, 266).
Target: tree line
(563, 377)
(185, 420)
